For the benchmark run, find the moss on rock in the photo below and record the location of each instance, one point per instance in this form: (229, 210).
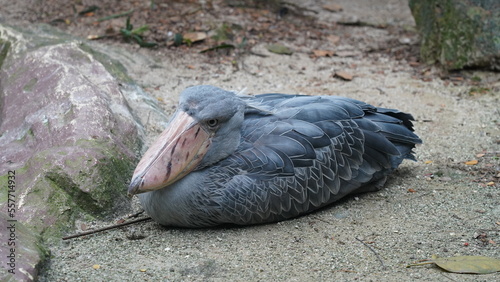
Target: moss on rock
(114, 67)
(458, 33)
(4, 49)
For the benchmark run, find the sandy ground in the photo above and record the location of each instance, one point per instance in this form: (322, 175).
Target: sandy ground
(437, 205)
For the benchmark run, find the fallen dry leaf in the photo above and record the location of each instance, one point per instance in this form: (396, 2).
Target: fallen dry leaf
(491, 183)
(469, 264)
(194, 36)
(93, 37)
(472, 162)
(347, 53)
(456, 78)
(142, 270)
(412, 190)
(465, 264)
(323, 53)
(333, 7)
(480, 155)
(96, 266)
(427, 162)
(344, 75)
(334, 39)
(279, 49)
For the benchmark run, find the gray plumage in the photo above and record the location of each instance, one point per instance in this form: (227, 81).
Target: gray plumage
(277, 156)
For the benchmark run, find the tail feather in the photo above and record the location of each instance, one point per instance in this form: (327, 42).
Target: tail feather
(389, 139)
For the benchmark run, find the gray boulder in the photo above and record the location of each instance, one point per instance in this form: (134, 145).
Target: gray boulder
(21, 253)
(71, 131)
(459, 33)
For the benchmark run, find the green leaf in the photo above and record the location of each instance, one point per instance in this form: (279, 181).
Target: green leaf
(126, 33)
(137, 38)
(279, 49)
(140, 30)
(147, 44)
(128, 26)
(129, 33)
(465, 264)
(178, 39)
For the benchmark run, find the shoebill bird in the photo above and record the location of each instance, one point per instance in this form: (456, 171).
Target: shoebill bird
(233, 159)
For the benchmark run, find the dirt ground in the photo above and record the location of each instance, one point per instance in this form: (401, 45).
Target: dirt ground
(442, 204)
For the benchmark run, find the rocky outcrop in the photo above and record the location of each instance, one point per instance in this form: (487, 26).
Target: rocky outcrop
(71, 129)
(459, 33)
(21, 251)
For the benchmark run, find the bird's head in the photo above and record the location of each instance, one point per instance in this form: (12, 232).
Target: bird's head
(204, 130)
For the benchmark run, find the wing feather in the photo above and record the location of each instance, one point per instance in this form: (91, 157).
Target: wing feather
(303, 152)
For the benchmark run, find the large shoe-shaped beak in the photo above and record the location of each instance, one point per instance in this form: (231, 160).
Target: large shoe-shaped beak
(176, 152)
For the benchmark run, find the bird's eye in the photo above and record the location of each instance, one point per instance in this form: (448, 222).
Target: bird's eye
(212, 122)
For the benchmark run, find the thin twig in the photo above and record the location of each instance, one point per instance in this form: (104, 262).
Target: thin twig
(362, 23)
(135, 214)
(258, 54)
(106, 228)
(371, 249)
(116, 16)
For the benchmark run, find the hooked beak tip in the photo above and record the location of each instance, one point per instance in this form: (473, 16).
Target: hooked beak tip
(134, 186)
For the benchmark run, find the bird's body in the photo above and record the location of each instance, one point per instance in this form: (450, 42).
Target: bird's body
(268, 157)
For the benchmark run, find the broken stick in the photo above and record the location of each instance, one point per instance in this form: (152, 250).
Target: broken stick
(106, 228)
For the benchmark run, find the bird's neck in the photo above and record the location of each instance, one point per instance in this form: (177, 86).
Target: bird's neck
(175, 205)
